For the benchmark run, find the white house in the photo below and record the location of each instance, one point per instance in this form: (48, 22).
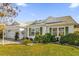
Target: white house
(10, 31)
(55, 25)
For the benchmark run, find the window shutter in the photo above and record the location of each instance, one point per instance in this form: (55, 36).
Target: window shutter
(29, 31)
(50, 30)
(41, 30)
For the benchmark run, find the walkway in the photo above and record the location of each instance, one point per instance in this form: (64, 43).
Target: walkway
(10, 41)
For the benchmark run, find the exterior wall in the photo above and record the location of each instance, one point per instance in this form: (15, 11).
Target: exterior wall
(25, 33)
(10, 32)
(45, 29)
(76, 29)
(71, 29)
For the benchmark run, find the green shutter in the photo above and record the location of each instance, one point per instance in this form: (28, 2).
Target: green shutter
(41, 30)
(29, 31)
(66, 30)
(50, 30)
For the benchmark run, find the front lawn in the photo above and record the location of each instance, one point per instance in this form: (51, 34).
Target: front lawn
(38, 50)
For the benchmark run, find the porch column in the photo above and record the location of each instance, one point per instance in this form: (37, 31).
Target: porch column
(3, 38)
(64, 31)
(44, 30)
(57, 31)
(28, 32)
(58, 34)
(47, 30)
(25, 32)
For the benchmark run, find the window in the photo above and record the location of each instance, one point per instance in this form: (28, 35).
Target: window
(61, 31)
(34, 31)
(55, 31)
(37, 31)
(31, 31)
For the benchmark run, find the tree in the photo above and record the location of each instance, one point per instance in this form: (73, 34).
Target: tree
(8, 11)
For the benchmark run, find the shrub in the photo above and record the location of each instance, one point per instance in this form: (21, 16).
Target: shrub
(49, 38)
(53, 39)
(26, 41)
(16, 35)
(45, 38)
(76, 32)
(72, 39)
(38, 39)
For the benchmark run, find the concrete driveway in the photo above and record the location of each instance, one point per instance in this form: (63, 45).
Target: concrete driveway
(10, 41)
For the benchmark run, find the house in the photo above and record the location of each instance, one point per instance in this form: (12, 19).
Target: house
(76, 28)
(10, 30)
(57, 26)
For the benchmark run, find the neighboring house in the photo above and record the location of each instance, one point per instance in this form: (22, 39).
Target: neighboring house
(10, 31)
(57, 26)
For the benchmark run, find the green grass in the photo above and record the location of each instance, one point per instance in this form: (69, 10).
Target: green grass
(38, 50)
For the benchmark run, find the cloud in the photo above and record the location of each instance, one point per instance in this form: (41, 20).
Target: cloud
(74, 5)
(21, 4)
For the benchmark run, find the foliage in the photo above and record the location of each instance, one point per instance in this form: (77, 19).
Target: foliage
(26, 41)
(45, 38)
(53, 39)
(72, 39)
(76, 32)
(16, 35)
(8, 11)
(38, 39)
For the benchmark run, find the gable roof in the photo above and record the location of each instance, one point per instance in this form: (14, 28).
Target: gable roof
(15, 23)
(56, 20)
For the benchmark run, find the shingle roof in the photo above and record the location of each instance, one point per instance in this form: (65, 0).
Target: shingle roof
(54, 20)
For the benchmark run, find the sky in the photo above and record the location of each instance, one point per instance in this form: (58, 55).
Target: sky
(40, 11)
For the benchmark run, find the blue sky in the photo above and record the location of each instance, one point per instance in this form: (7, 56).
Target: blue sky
(37, 11)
